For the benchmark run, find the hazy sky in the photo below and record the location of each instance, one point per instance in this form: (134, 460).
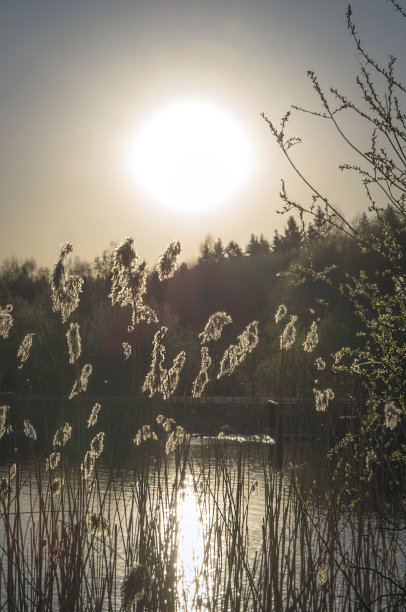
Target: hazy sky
(79, 79)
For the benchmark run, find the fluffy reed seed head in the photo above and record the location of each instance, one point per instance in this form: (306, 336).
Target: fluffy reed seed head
(176, 438)
(322, 575)
(29, 430)
(168, 424)
(80, 385)
(62, 435)
(214, 327)
(56, 486)
(312, 338)
(134, 586)
(320, 363)
(88, 465)
(157, 373)
(65, 288)
(288, 335)
(393, 415)
(169, 260)
(52, 461)
(281, 313)
(236, 353)
(143, 434)
(322, 398)
(24, 350)
(202, 378)
(3, 418)
(74, 343)
(94, 415)
(128, 283)
(6, 320)
(97, 445)
(172, 378)
(126, 350)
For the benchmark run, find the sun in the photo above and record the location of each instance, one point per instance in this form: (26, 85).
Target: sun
(192, 156)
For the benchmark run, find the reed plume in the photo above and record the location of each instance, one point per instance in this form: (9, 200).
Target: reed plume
(6, 320)
(65, 288)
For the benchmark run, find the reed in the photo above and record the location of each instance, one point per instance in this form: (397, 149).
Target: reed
(181, 523)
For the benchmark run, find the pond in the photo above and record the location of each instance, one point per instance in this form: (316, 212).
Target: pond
(216, 525)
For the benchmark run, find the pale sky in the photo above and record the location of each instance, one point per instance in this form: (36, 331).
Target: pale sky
(79, 80)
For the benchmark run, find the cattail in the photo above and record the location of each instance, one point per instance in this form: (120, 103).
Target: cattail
(202, 378)
(392, 415)
(6, 321)
(143, 434)
(322, 398)
(92, 420)
(74, 344)
(280, 313)
(214, 327)
(134, 585)
(97, 445)
(65, 288)
(289, 334)
(62, 435)
(29, 430)
(312, 338)
(320, 363)
(126, 350)
(52, 461)
(168, 260)
(80, 385)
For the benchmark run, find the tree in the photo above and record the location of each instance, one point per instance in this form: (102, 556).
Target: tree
(233, 250)
(292, 238)
(257, 246)
(211, 251)
(378, 360)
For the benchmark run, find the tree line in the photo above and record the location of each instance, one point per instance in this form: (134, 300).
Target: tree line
(247, 283)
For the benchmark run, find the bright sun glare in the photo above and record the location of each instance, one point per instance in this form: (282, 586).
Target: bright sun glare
(192, 156)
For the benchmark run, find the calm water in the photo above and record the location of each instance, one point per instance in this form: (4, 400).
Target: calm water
(192, 529)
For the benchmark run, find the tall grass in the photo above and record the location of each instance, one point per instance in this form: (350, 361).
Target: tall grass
(182, 523)
(186, 519)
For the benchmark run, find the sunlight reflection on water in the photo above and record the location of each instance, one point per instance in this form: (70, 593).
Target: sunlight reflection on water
(184, 533)
(190, 560)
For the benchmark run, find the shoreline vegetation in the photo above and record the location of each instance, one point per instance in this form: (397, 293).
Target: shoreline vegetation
(93, 502)
(314, 521)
